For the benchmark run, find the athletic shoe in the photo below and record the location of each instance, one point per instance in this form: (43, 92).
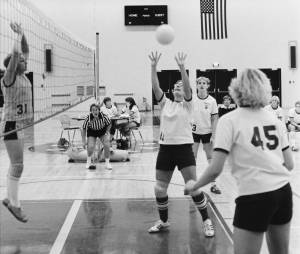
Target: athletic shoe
(208, 228)
(90, 166)
(215, 189)
(87, 165)
(108, 166)
(159, 226)
(5, 202)
(17, 212)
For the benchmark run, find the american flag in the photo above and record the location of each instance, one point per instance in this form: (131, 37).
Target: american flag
(213, 19)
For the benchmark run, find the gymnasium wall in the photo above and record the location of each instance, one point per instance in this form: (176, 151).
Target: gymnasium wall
(258, 35)
(72, 77)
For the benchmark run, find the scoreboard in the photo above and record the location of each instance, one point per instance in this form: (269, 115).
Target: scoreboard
(146, 15)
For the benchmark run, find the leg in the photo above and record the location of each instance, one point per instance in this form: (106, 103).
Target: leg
(200, 200)
(15, 152)
(208, 148)
(129, 126)
(163, 179)
(106, 145)
(247, 242)
(195, 149)
(292, 137)
(278, 237)
(91, 142)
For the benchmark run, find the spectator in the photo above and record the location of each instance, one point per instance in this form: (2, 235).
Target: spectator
(111, 111)
(226, 106)
(294, 125)
(133, 112)
(275, 108)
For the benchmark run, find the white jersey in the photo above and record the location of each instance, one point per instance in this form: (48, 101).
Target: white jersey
(277, 112)
(254, 140)
(110, 112)
(176, 122)
(17, 99)
(293, 114)
(203, 110)
(134, 113)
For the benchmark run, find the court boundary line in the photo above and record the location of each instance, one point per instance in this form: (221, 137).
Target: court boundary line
(64, 231)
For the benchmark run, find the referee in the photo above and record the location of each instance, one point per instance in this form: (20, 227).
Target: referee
(96, 125)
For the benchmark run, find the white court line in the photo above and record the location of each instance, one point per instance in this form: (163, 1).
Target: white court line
(220, 222)
(65, 229)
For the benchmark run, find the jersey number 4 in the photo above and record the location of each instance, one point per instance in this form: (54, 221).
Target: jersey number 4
(256, 138)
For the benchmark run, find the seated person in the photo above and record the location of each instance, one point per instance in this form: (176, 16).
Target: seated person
(275, 108)
(96, 125)
(132, 110)
(226, 106)
(294, 124)
(111, 111)
(108, 108)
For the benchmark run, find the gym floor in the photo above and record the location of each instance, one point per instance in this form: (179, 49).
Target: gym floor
(73, 210)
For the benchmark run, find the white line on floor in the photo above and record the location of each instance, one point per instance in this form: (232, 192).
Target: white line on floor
(66, 228)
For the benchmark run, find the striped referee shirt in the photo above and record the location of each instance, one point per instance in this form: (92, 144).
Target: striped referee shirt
(93, 123)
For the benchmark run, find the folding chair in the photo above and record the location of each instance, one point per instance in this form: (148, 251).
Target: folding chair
(66, 123)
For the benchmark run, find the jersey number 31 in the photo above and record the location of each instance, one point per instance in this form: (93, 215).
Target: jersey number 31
(256, 138)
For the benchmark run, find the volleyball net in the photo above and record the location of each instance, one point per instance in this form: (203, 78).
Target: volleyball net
(59, 67)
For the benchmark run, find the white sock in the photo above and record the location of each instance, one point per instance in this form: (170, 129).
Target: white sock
(89, 159)
(107, 160)
(13, 191)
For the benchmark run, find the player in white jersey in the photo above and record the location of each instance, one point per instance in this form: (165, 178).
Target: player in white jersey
(294, 125)
(205, 119)
(257, 145)
(16, 113)
(176, 142)
(274, 107)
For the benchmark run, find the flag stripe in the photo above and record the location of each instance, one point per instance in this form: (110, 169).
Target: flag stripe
(221, 18)
(213, 19)
(225, 19)
(202, 33)
(217, 16)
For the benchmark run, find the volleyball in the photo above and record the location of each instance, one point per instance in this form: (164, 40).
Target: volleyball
(165, 34)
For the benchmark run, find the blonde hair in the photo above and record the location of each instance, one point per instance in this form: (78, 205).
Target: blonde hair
(251, 88)
(207, 80)
(275, 98)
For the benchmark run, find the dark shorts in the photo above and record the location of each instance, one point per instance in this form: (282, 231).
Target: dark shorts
(95, 133)
(10, 126)
(204, 138)
(256, 212)
(170, 156)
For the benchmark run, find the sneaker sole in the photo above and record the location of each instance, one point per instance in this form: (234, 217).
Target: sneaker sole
(161, 230)
(17, 217)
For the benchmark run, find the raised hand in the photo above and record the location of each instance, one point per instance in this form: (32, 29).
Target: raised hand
(180, 58)
(154, 57)
(17, 28)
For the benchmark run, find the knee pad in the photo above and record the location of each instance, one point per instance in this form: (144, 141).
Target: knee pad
(160, 189)
(15, 170)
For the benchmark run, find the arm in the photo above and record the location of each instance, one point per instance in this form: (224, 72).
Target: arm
(211, 173)
(180, 58)
(288, 159)
(15, 55)
(83, 135)
(25, 47)
(214, 121)
(154, 79)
